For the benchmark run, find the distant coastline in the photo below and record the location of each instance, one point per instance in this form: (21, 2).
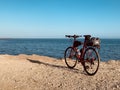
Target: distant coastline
(5, 38)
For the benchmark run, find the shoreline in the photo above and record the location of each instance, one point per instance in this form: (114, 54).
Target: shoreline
(60, 58)
(34, 72)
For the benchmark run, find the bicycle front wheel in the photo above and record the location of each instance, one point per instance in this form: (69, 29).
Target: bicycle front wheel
(91, 61)
(70, 57)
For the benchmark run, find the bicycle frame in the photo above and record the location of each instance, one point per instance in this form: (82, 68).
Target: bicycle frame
(80, 59)
(82, 53)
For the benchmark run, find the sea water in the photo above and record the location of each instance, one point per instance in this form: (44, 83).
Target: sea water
(110, 48)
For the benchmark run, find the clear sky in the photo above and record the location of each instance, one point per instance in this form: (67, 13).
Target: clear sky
(56, 18)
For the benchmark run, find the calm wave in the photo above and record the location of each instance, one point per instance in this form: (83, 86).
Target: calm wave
(110, 48)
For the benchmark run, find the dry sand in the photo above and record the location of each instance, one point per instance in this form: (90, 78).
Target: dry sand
(33, 72)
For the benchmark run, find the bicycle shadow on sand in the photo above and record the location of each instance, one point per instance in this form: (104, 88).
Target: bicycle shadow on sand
(74, 70)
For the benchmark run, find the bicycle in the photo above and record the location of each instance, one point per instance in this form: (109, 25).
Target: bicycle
(87, 55)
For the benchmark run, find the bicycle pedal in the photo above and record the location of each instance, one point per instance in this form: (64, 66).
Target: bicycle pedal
(78, 60)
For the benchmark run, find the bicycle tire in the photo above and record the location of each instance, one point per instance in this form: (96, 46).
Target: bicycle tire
(70, 57)
(92, 58)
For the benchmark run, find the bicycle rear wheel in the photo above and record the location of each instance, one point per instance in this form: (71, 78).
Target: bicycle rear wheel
(70, 57)
(91, 61)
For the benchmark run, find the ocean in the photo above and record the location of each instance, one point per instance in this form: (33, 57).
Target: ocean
(110, 48)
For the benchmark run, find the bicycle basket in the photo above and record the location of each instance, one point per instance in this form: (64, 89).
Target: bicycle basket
(95, 41)
(77, 43)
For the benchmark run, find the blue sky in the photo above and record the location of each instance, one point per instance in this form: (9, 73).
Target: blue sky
(56, 18)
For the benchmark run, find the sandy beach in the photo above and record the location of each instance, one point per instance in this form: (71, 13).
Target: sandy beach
(34, 72)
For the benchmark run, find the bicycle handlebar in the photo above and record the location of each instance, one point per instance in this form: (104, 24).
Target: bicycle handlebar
(73, 36)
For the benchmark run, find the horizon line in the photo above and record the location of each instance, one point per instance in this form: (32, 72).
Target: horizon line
(52, 38)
